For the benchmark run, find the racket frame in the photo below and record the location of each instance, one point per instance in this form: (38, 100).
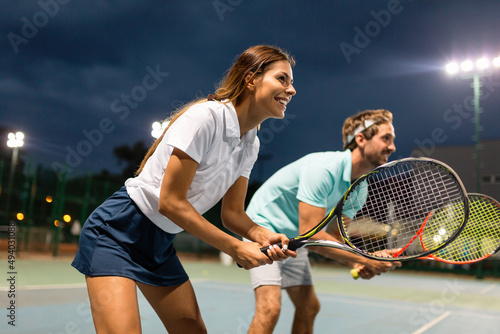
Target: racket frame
(335, 214)
(432, 256)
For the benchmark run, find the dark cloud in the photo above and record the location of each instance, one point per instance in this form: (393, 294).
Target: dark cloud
(61, 83)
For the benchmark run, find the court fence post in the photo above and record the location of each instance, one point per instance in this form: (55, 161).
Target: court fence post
(86, 199)
(24, 206)
(58, 212)
(31, 206)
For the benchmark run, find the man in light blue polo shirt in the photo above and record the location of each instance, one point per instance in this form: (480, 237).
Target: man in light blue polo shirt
(316, 179)
(296, 198)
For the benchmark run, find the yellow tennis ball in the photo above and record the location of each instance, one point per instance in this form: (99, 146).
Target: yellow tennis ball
(355, 273)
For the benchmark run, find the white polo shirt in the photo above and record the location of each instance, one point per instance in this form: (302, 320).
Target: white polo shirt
(209, 133)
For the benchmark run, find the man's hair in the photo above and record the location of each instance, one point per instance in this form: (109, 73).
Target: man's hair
(365, 122)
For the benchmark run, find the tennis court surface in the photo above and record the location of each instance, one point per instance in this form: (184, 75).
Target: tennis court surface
(50, 297)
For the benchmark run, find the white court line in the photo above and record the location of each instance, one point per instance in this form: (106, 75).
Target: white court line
(408, 307)
(487, 289)
(209, 284)
(354, 301)
(368, 303)
(432, 323)
(67, 286)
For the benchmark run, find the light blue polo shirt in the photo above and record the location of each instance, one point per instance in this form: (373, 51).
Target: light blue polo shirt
(319, 179)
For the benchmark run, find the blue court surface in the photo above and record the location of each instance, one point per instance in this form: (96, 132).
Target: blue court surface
(51, 298)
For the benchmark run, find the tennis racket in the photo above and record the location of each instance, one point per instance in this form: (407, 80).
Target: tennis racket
(391, 206)
(479, 239)
(481, 236)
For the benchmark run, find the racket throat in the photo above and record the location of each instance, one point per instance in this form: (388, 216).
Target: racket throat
(294, 244)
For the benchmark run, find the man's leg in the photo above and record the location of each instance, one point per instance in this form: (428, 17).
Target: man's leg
(267, 309)
(307, 306)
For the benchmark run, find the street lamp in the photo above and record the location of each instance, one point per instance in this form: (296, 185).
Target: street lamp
(15, 141)
(469, 69)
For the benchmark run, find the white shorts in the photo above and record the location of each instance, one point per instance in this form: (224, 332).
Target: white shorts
(286, 273)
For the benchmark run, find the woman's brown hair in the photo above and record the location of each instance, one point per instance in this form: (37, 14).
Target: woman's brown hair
(253, 61)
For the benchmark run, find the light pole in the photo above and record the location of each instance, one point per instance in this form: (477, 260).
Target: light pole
(15, 140)
(475, 71)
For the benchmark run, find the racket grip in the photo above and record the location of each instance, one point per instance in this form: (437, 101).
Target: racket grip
(292, 245)
(264, 249)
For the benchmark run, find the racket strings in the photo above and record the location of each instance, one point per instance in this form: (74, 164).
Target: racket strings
(388, 208)
(480, 236)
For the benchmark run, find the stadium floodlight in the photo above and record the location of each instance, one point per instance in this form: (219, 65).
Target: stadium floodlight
(496, 62)
(475, 70)
(470, 68)
(15, 139)
(467, 65)
(452, 68)
(158, 128)
(482, 64)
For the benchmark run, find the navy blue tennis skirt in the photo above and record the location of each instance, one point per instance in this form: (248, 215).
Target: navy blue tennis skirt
(119, 240)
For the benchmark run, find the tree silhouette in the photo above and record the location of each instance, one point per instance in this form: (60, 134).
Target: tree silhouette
(131, 157)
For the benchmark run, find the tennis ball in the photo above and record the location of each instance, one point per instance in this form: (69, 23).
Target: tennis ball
(355, 273)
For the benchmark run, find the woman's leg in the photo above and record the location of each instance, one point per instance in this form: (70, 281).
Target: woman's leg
(113, 301)
(176, 306)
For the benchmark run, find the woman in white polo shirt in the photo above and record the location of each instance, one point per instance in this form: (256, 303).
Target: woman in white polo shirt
(205, 154)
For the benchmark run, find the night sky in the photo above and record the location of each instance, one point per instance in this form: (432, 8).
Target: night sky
(82, 77)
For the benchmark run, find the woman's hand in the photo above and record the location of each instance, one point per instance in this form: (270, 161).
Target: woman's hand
(274, 252)
(248, 255)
